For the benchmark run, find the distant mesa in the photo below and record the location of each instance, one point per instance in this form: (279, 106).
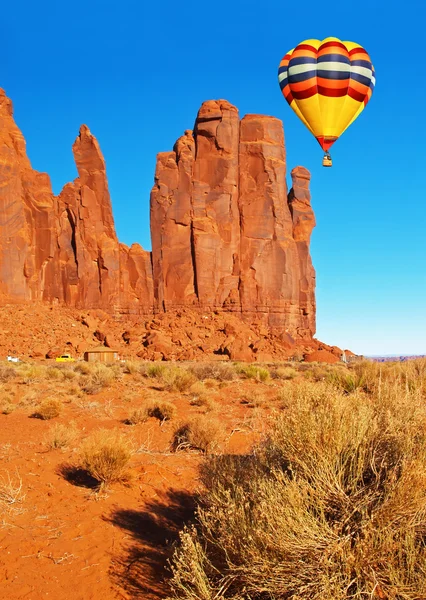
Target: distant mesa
(226, 233)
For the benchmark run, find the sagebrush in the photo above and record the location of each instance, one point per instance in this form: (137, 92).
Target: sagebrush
(330, 505)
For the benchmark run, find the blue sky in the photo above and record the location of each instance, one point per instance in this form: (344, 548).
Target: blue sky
(136, 74)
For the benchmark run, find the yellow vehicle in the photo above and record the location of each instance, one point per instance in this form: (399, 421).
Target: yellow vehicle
(65, 358)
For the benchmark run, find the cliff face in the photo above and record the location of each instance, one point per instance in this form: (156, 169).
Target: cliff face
(225, 234)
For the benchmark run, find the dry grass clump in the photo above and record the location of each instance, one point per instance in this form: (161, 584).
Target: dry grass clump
(137, 416)
(285, 373)
(61, 436)
(98, 377)
(219, 371)
(54, 374)
(11, 494)
(176, 379)
(253, 398)
(6, 403)
(132, 367)
(259, 374)
(105, 455)
(205, 402)
(7, 373)
(48, 409)
(31, 373)
(161, 410)
(156, 370)
(199, 433)
(332, 504)
(7, 407)
(202, 396)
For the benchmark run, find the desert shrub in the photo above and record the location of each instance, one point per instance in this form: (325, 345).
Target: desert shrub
(331, 504)
(161, 410)
(48, 409)
(290, 394)
(219, 371)
(322, 372)
(105, 455)
(285, 373)
(31, 373)
(68, 373)
(156, 370)
(99, 377)
(132, 367)
(253, 398)
(7, 407)
(61, 436)
(201, 396)
(30, 399)
(199, 433)
(82, 368)
(138, 415)
(176, 379)
(204, 402)
(7, 373)
(254, 372)
(54, 373)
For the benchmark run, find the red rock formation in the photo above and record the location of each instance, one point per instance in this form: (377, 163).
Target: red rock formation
(26, 214)
(171, 226)
(90, 247)
(216, 219)
(225, 234)
(240, 243)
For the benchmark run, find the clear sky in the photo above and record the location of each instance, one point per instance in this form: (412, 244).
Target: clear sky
(136, 73)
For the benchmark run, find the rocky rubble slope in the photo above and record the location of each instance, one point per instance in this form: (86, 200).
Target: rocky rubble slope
(39, 331)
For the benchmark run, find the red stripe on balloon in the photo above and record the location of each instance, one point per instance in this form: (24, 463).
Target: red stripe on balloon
(356, 95)
(305, 93)
(332, 93)
(305, 47)
(333, 44)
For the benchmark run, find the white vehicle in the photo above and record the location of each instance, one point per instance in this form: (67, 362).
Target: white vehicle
(12, 359)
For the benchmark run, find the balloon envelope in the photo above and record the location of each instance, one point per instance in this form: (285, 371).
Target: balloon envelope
(328, 84)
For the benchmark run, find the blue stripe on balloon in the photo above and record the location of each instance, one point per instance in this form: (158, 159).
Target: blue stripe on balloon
(334, 58)
(333, 74)
(282, 70)
(299, 77)
(362, 63)
(302, 60)
(361, 79)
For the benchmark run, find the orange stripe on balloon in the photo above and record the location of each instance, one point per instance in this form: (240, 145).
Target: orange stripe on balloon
(303, 85)
(334, 84)
(298, 52)
(359, 54)
(359, 87)
(332, 50)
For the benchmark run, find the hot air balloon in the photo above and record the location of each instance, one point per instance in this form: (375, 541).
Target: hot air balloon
(327, 84)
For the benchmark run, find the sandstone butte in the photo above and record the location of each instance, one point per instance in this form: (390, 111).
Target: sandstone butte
(227, 235)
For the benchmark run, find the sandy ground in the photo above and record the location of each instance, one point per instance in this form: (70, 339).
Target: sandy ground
(65, 541)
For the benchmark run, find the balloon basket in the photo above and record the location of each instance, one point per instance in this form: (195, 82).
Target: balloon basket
(326, 161)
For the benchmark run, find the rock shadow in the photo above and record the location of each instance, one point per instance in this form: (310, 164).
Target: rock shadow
(142, 571)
